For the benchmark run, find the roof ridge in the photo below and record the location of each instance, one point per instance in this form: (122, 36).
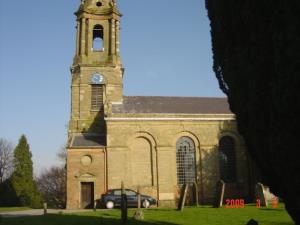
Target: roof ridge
(168, 104)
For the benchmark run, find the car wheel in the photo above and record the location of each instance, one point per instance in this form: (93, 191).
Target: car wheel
(110, 204)
(146, 204)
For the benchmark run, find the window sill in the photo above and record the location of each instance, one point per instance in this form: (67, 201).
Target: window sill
(102, 50)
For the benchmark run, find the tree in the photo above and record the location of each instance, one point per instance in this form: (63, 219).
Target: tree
(256, 46)
(8, 197)
(52, 182)
(62, 155)
(6, 159)
(22, 177)
(52, 185)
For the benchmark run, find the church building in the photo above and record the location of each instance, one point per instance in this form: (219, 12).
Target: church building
(157, 143)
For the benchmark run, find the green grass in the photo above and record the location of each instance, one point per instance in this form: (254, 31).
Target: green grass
(190, 216)
(12, 209)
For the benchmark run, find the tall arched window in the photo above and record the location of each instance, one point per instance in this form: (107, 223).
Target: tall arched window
(98, 38)
(97, 97)
(185, 158)
(227, 159)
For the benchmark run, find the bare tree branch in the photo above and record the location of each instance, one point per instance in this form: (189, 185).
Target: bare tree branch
(52, 185)
(62, 154)
(6, 159)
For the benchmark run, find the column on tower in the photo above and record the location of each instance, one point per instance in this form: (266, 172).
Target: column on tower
(83, 29)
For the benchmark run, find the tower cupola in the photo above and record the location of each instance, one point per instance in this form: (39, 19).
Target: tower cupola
(98, 7)
(98, 25)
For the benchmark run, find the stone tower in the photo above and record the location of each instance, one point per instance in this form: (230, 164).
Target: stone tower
(97, 69)
(97, 75)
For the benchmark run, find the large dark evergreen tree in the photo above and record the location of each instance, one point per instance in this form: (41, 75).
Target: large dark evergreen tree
(22, 178)
(256, 47)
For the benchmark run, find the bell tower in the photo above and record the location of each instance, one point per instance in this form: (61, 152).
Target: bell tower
(97, 71)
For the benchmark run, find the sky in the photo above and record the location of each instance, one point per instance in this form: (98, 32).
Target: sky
(165, 49)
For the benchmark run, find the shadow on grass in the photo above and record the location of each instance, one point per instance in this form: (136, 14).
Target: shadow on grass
(271, 209)
(277, 223)
(56, 219)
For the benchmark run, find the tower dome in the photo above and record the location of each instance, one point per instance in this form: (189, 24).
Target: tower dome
(98, 6)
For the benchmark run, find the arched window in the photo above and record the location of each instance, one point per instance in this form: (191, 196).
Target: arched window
(227, 159)
(185, 158)
(98, 38)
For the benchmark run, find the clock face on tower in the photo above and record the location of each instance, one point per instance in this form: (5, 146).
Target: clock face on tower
(97, 78)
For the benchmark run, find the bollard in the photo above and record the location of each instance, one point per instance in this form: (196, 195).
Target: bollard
(95, 205)
(45, 208)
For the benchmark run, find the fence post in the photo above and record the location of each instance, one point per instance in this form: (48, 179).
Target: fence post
(183, 193)
(139, 197)
(123, 204)
(219, 194)
(196, 195)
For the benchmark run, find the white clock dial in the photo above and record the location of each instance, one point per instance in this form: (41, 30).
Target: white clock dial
(97, 78)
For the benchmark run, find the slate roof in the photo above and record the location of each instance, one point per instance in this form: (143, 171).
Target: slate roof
(91, 141)
(171, 105)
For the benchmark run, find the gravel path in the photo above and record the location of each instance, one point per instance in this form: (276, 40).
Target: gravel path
(38, 212)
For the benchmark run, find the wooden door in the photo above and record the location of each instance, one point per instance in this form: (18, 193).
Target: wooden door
(87, 195)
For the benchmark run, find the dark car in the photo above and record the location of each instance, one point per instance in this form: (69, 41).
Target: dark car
(112, 198)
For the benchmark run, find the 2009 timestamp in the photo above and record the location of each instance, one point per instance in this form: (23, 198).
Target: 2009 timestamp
(240, 203)
(235, 203)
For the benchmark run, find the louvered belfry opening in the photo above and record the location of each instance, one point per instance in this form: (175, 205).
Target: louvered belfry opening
(186, 163)
(97, 97)
(227, 159)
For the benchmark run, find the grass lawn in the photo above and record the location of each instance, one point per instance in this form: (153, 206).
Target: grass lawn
(12, 209)
(190, 216)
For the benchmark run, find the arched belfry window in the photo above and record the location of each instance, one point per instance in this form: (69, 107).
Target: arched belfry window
(98, 38)
(185, 159)
(227, 159)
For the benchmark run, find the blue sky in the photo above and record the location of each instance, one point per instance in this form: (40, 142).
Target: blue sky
(165, 49)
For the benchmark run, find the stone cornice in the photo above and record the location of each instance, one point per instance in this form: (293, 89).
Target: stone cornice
(175, 118)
